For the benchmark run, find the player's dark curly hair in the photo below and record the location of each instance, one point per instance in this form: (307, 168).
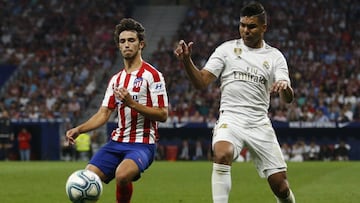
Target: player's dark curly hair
(254, 9)
(129, 24)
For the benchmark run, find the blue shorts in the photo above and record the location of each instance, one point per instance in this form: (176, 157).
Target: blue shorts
(112, 153)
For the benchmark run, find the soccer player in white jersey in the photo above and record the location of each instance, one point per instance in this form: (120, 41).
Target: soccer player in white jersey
(249, 71)
(139, 95)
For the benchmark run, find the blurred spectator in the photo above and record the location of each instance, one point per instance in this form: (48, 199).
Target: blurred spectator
(184, 150)
(342, 151)
(312, 151)
(298, 150)
(286, 151)
(326, 153)
(160, 151)
(320, 116)
(83, 147)
(6, 134)
(67, 150)
(199, 151)
(343, 118)
(24, 144)
(196, 117)
(97, 139)
(279, 116)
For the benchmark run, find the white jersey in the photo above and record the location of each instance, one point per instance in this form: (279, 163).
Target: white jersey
(246, 75)
(147, 87)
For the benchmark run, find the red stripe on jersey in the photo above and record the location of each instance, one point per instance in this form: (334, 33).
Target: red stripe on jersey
(134, 113)
(122, 120)
(147, 122)
(157, 136)
(122, 111)
(112, 102)
(153, 72)
(134, 117)
(161, 101)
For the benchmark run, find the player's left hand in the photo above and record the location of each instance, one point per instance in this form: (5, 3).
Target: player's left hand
(279, 86)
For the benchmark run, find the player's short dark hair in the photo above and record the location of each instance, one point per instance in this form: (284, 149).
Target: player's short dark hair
(129, 24)
(254, 9)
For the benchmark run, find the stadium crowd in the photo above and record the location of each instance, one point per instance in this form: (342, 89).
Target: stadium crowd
(64, 49)
(319, 40)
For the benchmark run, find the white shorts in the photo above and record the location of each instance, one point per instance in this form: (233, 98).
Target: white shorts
(261, 141)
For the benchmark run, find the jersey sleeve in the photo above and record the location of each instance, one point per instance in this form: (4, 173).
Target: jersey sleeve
(109, 99)
(216, 63)
(158, 93)
(282, 70)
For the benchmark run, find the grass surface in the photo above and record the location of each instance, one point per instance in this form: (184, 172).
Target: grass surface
(185, 182)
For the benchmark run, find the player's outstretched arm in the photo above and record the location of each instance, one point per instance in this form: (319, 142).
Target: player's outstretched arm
(199, 78)
(97, 120)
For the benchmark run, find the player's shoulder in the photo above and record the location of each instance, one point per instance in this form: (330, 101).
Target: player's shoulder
(226, 46)
(150, 68)
(229, 43)
(151, 71)
(270, 48)
(273, 51)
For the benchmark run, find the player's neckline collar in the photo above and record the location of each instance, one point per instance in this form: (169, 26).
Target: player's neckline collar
(241, 41)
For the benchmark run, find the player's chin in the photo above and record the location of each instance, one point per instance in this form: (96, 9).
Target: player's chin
(128, 56)
(248, 41)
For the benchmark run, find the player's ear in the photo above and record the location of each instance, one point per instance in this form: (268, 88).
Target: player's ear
(264, 27)
(142, 45)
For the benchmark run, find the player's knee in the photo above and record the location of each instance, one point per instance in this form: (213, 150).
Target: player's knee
(223, 157)
(283, 191)
(279, 184)
(122, 178)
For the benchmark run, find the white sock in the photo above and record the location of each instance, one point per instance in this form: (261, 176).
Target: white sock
(289, 199)
(221, 183)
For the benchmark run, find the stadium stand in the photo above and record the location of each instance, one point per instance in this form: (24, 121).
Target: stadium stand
(62, 52)
(56, 55)
(318, 39)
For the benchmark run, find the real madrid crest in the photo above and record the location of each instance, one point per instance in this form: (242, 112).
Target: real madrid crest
(266, 65)
(237, 51)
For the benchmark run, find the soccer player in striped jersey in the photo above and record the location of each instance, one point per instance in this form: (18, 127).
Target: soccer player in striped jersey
(249, 70)
(139, 96)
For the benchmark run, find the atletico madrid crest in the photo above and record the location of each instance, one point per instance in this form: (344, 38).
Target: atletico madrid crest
(138, 82)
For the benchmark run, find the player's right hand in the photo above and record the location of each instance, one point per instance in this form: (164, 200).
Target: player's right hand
(71, 135)
(183, 50)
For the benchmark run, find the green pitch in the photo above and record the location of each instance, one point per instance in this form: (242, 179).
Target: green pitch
(184, 182)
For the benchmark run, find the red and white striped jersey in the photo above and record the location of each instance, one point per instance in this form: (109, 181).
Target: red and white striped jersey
(147, 87)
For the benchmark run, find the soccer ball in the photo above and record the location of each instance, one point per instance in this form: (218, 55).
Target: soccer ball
(83, 186)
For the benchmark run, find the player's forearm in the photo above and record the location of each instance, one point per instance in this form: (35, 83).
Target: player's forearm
(97, 120)
(194, 74)
(152, 113)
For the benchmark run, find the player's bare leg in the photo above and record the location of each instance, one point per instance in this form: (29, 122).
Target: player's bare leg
(97, 171)
(221, 173)
(280, 187)
(125, 174)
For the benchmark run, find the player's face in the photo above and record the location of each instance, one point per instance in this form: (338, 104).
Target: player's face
(129, 44)
(252, 31)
